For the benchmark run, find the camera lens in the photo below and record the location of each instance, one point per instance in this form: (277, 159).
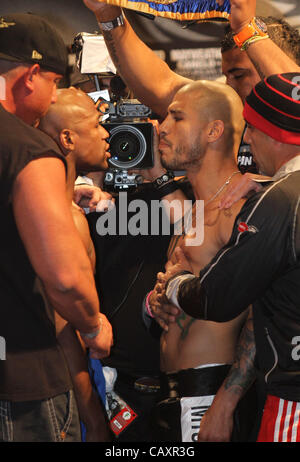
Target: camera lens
(127, 146)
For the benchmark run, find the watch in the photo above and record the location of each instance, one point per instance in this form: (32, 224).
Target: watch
(255, 28)
(110, 25)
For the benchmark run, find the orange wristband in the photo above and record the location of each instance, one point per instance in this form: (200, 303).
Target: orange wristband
(255, 28)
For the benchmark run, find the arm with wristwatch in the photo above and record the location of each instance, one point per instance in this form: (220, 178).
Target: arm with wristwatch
(251, 35)
(135, 61)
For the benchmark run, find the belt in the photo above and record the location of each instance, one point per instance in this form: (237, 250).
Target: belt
(193, 382)
(143, 384)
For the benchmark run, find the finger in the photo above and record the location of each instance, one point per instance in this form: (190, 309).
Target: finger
(162, 324)
(160, 288)
(181, 257)
(171, 310)
(227, 201)
(104, 205)
(161, 277)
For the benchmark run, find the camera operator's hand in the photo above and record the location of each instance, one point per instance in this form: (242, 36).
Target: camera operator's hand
(103, 11)
(150, 174)
(87, 196)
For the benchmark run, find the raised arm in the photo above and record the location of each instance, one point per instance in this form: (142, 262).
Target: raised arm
(149, 77)
(266, 56)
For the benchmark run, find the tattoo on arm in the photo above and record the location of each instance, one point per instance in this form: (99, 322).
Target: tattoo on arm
(110, 43)
(242, 373)
(258, 69)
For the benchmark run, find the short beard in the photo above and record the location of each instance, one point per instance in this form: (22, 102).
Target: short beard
(193, 158)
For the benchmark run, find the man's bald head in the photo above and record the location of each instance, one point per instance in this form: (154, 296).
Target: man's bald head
(73, 122)
(214, 100)
(71, 108)
(217, 101)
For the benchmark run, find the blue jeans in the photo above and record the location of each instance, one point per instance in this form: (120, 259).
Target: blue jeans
(50, 420)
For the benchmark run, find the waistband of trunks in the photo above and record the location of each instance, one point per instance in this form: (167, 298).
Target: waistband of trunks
(142, 384)
(193, 382)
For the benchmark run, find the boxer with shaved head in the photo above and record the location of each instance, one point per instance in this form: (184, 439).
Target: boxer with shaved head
(199, 135)
(73, 122)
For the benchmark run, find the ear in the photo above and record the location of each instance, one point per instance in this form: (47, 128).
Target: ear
(67, 139)
(30, 75)
(215, 130)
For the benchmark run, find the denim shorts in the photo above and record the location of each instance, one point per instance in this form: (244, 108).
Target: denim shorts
(51, 420)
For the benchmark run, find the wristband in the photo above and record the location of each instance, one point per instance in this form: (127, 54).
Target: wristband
(173, 286)
(162, 180)
(251, 40)
(255, 28)
(110, 25)
(147, 306)
(167, 188)
(92, 334)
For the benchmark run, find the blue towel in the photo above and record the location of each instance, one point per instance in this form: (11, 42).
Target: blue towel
(98, 382)
(182, 10)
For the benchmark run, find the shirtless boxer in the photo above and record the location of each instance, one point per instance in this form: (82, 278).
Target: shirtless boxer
(200, 136)
(243, 70)
(73, 122)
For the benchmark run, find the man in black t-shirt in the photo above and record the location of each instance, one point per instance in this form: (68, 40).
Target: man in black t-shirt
(38, 240)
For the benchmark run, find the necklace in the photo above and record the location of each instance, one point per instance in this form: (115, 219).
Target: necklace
(222, 187)
(189, 218)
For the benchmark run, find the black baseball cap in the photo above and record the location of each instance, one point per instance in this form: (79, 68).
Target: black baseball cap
(28, 38)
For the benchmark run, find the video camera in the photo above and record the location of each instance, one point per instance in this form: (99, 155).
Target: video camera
(131, 142)
(126, 120)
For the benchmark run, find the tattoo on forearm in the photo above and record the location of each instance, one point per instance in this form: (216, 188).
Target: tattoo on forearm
(260, 72)
(242, 373)
(110, 43)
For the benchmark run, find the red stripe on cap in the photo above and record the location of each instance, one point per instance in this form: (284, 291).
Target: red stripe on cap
(283, 95)
(255, 119)
(272, 107)
(280, 76)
